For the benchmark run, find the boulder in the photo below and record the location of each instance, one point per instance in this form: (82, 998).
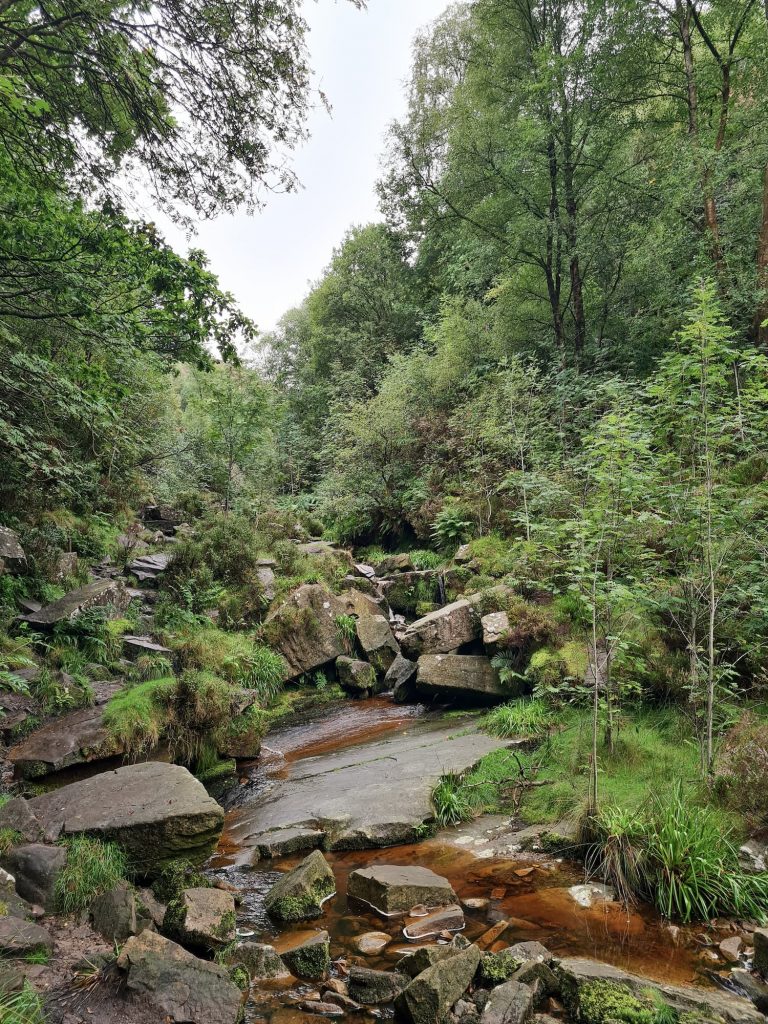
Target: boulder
(12, 557)
(394, 564)
(401, 680)
(431, 994)
(262, 962)
(376, 642)
(443, 630)
(373, 988)
(414, 963)
(148, 568)
(180, 988)
(75, 738)
(304, 629)
(265, 574)
(309, 959)
(463, 554)
(511, 1003)
(16, 816)
(301, 892)
(407, 590)
(203, 918)
(363, 603)
(115, 914)
(446, 919)
(36, 868)
(760, 958)
(575, 972)
(284, 841)
(18, 711)
(355, 676)
(157, 812)
(392, 889)
(366, 572)
(22, 938)
(65, 564)
(495, 627)
(753, 988)
(107, 593)
(462, 677)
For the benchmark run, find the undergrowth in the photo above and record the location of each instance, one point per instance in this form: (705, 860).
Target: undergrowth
(92, 868)
(24, 1007)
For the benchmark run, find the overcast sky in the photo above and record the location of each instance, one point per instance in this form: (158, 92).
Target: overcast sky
(362, 60)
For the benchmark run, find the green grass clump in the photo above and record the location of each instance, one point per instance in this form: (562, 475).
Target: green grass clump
(425, 559)
(135, 717)
(92, 869)
(23, 1007)
(460, 797)
(264, 671)
(520, 718)
(680, 856)
(9, 837)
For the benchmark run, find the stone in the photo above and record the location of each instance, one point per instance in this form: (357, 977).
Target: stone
(574, 972)
(431, 994)
(446, 919)
(203, 918)
(180, 988)
(284, 841)
(107, 593)
(377, 642)
(373, 988)
(355, 676)
(753, 857)
(36, 868)
(75, 738)
(265, 575)
(114, 913)
(372, 943)
(753, 988)
(12, 557)
(65, 564)
(16, 816)
(365, 571)
(394, 564)
(414, 963)
(495, 627)
(309, 959)
(262, 962)
(406, 591)
(401, 680)
(149, 907)
(148, 568)
(730, 949)
(464, 677)
(361, 603)
(304, 629)
(531, 950)
(476, 902)
(539, 976)
(760, 956)
(319, 1007)
(510, 1003)
(393, 889)
(18, 711)
(463, 554)
(341, 1000)
(138, 646)
(442, 630)
(300, 893)
(592, 893)
(157, 812)
(21, 938)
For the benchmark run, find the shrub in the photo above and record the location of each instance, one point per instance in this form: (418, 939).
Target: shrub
(519, 718)
(92, 869)
(743, 768)
(452, 526)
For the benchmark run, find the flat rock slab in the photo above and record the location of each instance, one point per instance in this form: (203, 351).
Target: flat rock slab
(20, 938)
(157, 812)
(394, 889)
(466, 677)
(372, 795)
(99, 594)
(75, 738)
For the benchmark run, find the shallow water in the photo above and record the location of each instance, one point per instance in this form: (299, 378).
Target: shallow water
(530, 893)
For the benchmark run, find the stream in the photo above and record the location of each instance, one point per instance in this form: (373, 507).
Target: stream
(529, 891)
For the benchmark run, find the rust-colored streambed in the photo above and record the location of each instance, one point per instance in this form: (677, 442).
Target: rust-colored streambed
(530, 893)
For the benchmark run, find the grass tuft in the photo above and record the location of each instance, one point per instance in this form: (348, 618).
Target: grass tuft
(92, 869)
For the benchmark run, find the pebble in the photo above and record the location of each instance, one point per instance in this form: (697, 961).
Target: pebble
(730, 949)
(418, 911)
(372, 943)
(324, 1009)
(476, 903)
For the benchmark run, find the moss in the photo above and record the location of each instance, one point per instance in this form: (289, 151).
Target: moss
(496, 968)
(601, 1002)
(239, 976)
(226, 926)
(219, 770)
(175, 878)
(301, 906)
(3, 909)
(310, 961)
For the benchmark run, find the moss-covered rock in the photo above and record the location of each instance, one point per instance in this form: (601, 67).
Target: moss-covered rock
(311, 959)
(300, 894)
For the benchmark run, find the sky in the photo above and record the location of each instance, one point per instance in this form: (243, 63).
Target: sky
(361, 59)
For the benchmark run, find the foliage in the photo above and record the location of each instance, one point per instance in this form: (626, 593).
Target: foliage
(601, 1002)
(520, 718)
(92, 868)
(743, 768)
(25, 1007)
(460, 797)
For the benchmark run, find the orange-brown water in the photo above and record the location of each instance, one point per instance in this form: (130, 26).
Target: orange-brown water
(530, 893)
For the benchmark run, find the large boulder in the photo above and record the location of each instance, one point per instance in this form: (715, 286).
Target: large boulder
(443, 630)
(401, 680)
(107, 593)
(162, 976)
(300, 893)
(393, 889)
(355, 676)
(76, 738)
(576, 973)
(22, 938)
(310, 958)
(462, 677)
(432, 993)
(305, 631)
(203, 918)
(157, 812)
(376, 642)
(36, 868)
(12, 557)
